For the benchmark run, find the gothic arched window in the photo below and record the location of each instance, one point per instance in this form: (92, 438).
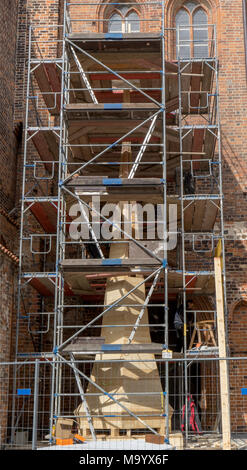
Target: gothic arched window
(124, 20)
(191, 31)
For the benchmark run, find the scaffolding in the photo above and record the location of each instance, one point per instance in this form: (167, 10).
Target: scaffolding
(123, 123)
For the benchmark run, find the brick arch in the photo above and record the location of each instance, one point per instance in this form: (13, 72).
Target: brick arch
(212, 8)
(105, 11)
(235, 304)
(237, 369)
(173, 6)
(238, 325)
(207, 8)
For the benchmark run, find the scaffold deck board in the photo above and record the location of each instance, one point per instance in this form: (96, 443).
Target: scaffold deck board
(77, 284)
(124, 189)
(48, 79)
(202, 283)
(82, 182)
(142, 59)
(43, 286)
(200, 215)
(76, 274)
(116, 266)
(196, 87)
(91, 346)
(113, 36)
(77, 107)
(46, 214)
(46, 286)
(46, 145)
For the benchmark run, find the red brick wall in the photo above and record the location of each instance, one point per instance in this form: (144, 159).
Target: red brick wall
(238, 369)
(8, 230)
(228, 16)
(40, 15)
(233, 100)
(8, 19)
(7, 77)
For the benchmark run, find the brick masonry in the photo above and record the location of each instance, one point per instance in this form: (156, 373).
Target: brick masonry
(8, 159)
(15, 17)
(8, 156)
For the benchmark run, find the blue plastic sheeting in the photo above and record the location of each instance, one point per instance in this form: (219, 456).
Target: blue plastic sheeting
(111, 347)
(23, 391)
(244, 391)
(111, 262)
(113, 106)
(113, 35)
(112, 181)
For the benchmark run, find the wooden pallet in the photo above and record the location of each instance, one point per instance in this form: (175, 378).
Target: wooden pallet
(121, 433)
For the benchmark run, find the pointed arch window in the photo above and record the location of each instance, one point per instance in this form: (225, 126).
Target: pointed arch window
(132, 22)
(124, 20)
(115, 23)
(191, 31)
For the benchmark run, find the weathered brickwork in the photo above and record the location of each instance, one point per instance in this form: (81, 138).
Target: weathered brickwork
(7, 76)
(8, 158)
(15, 19)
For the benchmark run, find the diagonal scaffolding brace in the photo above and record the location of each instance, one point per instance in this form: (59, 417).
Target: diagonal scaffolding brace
(84, 76)
(137, 323)
(91, 230)
(83, 399)
(143, 148)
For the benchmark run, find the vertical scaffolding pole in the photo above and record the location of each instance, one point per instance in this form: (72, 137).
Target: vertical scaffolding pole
(83, 398)
(35, 405)
(185, 364)
(165, 234)
(58, 301)
(21, 231)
